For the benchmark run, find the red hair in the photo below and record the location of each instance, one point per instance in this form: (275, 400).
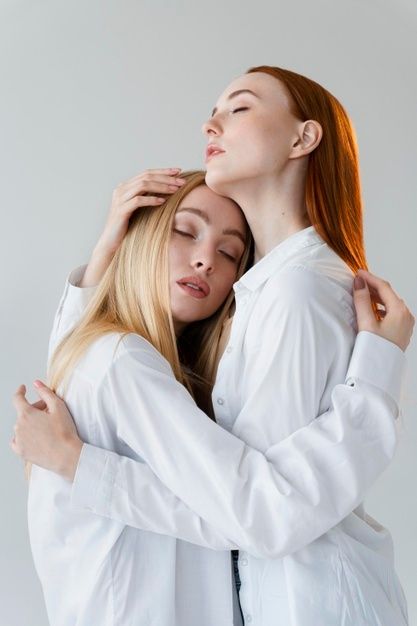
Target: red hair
(333, 193)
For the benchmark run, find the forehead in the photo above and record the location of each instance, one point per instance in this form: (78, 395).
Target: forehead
(268, 88)
(218, 208)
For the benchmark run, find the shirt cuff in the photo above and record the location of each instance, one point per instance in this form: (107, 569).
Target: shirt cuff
(94, 479)
(379, 362)
(75, 295)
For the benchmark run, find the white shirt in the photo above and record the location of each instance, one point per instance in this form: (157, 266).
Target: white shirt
(100, 572)
(281, 485)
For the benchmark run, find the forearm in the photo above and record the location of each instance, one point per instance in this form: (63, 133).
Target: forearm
(138, 498)
(269, 504)
(96, 268)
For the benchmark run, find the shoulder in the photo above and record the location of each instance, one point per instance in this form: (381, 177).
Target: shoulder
(132, 348)
(299, 287)
(121, 351)
(317, 287)
(325, 262)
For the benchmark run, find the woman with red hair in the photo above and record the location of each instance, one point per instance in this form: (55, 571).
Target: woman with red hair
(314, 405)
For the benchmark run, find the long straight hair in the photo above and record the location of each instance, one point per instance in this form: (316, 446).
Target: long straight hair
(333, 192)
(133, 297)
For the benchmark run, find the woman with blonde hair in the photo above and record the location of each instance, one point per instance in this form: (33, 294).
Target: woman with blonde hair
(285, 487)
(95, 570)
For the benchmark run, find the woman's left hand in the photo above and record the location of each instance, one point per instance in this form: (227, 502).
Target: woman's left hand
(47, 437)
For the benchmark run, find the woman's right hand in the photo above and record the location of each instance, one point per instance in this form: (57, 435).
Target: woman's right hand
(127, 198)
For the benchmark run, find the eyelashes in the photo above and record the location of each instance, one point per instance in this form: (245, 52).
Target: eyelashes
(225, 254)
(182, 232)
(229, 256)
(239, 109)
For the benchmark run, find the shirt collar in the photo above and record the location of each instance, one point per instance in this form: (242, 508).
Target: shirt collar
(271, 262)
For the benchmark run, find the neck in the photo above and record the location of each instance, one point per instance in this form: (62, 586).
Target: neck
(179, 327)
(274, 208)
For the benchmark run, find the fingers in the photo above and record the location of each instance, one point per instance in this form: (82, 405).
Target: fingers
(170, 171)
(46, 394)
(395, 321)
(363, 304)
(40, 404)
(150, 188)
(141, 201)
(383, 291)
(150, 181)
(164, 185)
(170, 179)
(19, 399)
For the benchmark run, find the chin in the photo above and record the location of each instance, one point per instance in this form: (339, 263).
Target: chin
(218, 182)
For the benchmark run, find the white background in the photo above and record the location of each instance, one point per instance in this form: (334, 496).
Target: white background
(93, 92)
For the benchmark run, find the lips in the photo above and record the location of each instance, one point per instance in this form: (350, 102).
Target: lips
(213, 150)
(194, 286)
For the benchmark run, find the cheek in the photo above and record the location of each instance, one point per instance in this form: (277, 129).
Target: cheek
(175, 258)
(224, 284)
(266, 139)
(269, 148)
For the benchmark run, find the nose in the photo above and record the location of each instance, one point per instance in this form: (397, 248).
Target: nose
(204, 261)
(211, 127)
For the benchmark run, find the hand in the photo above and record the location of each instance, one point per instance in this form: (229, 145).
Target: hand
(45, 433)
(396, 323)
(127, 198)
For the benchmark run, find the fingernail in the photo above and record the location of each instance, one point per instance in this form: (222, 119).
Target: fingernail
(38, 383)
(358, 282)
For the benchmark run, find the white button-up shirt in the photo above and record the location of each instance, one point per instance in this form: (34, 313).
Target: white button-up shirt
(280, 486)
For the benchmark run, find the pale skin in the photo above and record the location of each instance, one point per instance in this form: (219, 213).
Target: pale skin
(267, 181)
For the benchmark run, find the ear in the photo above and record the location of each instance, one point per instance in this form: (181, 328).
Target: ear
(307, 140)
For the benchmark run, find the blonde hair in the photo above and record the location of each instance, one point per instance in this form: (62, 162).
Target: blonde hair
(133, 297)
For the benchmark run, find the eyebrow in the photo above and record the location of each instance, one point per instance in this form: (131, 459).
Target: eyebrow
(203, 215)
(234, 94)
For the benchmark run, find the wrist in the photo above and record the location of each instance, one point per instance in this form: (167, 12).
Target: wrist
(97, 266)
(103, 253)
(69, 458)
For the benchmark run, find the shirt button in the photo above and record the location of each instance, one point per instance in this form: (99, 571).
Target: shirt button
(229, 349)
(220, 401)
(248, 618)
(243, 562)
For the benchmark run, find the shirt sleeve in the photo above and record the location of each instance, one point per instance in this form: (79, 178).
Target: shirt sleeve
(267, 503)
(72, 305)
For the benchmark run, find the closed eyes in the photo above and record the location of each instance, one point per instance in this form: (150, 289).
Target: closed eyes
(239, 109)
(182, 232)
(225, 254)
(229, 256)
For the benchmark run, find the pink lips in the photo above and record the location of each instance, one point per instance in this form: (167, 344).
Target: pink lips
(213, 150)
(194, 286)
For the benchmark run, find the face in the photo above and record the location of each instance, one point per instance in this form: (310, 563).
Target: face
(205, 250)
(254, 130)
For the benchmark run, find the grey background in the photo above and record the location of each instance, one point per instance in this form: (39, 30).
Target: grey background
(94, 92)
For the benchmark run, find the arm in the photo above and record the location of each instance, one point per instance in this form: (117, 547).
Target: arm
(127, 198)
(268, 504)
(71, 307)
(304, 510)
